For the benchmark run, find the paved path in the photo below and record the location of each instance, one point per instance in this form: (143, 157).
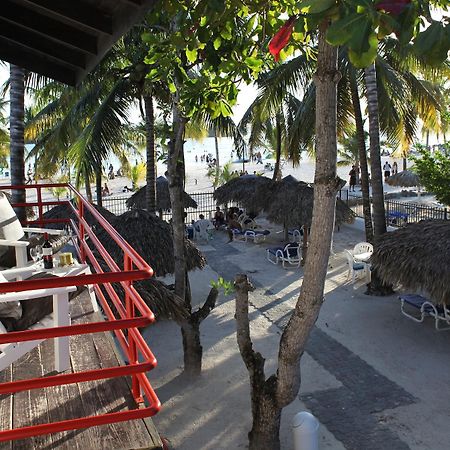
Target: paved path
(355, 411)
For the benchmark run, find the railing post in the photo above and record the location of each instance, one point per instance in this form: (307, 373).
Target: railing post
(130, 311)
(39, 199)
(81, 231)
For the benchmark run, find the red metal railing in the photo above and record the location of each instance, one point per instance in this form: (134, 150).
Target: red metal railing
(130, 313)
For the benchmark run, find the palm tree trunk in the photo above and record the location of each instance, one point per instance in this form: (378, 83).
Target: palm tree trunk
(362, 157)
(379, 215)
(17, 144)
(87, 187)
(375, 287)
(216, 143)
(281, 389)
(150, 192)
(277, 149)
(98, 185)
(189, 330)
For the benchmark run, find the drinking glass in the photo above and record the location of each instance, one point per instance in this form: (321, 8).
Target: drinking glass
(36, 253)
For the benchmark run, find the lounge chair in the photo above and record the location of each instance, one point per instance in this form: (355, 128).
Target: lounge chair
(426, 308)
(256, 235)
(247, 222)
(288, 254)
(11, 231)
(296, 234)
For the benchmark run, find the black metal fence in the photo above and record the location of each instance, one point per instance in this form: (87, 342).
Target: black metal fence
(398, 212)
(206, 205)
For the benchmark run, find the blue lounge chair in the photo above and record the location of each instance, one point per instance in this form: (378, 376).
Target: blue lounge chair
(289, 253)
(425, 308)
(256, 235)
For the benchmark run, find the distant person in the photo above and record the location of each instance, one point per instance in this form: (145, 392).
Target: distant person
(394, 168)
(233, 224)
(105, 190)
(387, 170)
(259, 158)
(29, 175)
(127, 189)
(111, 172)
(196, 158)
(219, 218)
(352, 182)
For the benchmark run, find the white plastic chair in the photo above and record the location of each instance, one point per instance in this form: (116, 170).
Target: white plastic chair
(203, 229)
(295, 235)
(11, 231)
(289, 254)
(363, 247)
(355, 268)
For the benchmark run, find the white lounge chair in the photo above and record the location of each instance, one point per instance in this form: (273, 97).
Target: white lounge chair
(256, 235)
(246, 222)
(11, 231)
(289, 254)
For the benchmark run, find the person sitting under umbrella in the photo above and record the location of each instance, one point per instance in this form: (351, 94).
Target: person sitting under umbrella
(218, 219)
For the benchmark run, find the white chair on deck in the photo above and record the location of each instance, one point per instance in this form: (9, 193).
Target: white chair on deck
(355, 268)
(203, 229)
(10, 307)
(11, 231)
(289, 254)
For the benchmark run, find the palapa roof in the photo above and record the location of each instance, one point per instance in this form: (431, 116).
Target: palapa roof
(248, 190)
(152, 238)
(65, 212)
(138, 200)
(418, 257)
(291, 203)
(406, 178)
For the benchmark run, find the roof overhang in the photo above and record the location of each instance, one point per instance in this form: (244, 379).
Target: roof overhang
(64, 39)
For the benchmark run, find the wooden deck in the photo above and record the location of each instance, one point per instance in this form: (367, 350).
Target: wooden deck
(74, 400)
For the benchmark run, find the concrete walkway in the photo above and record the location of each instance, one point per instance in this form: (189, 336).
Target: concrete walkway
(373, 378)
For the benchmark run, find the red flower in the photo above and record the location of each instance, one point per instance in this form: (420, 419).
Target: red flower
(281, 38)
(394, 7)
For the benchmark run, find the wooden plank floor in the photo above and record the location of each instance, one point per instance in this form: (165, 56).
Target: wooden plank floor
(74, 400)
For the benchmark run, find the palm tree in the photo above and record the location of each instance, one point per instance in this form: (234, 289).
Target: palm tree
(17, 144)
(221, 176)
(4, 138)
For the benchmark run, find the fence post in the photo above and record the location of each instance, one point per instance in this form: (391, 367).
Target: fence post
(445, 214)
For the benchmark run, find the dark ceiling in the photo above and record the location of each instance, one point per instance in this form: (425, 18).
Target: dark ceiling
(64, 39)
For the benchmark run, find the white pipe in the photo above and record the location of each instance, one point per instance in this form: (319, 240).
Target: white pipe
(305, 428)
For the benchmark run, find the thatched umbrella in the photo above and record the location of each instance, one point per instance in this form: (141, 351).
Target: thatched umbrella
(406, 178)
(152, 238)
(66, 212)
(418, 257)
(290, 202)
(138, 200)
(248, 190)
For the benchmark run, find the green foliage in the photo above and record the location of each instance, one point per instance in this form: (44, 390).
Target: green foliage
(434, 172)
(222, 175)
(221, 283)
(137, 174)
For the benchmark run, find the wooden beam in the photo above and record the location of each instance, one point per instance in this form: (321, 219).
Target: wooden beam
(58, 31)
(22, 57)
(34, 41)
(76, 12)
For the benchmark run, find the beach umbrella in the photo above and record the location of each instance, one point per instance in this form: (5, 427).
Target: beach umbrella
(250, 191)
(418, 257)
(152, 238)
(406, 178)
(65, 212)
(138, 199)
